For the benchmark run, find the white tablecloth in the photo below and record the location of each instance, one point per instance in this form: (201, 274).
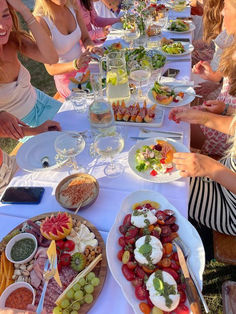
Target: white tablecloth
(112, 191)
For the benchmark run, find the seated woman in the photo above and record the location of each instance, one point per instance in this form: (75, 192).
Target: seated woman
(64, 24)
(91, 19)
(12, 127)
(17, 95)
(103, 10)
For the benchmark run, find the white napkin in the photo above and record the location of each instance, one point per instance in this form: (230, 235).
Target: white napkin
(173, 82)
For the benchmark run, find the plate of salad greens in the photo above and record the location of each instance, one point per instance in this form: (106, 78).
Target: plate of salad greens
(180, 26)
(151, 159)
(177, 49)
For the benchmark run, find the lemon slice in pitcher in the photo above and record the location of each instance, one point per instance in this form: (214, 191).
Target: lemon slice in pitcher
(111, 78)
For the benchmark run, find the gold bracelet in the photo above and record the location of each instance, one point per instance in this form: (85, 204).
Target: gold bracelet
(31, 20)
(75, 64)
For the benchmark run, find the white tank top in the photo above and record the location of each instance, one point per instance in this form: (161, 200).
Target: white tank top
(18, 97)
(67, 46)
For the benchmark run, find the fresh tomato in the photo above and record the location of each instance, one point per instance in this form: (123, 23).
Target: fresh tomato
(122, 242)
(168, 248)
(59, 266)
(127, 220)
(163, 161)
(137, 282)
(148, 270)
(145, 308)
(129, 274)
(153, 173)
(182, 296)
(120, 254)
(69, 245)
(65, 259)
(172, 272)
(141, 293)
(169, 169)
(130, 241)
(175, 256)
(60, 244)
(131, 233)
(166, 262)
(170, 220)
(174, 265)
(131, 265)
(174, 227)
(149, 302)
(140, 272)
(181, 309)
(123, 229)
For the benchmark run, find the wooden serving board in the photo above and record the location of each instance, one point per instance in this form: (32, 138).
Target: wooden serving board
(100, 270)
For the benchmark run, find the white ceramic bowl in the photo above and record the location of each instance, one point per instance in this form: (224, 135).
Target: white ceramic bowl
(12, 288)
(17, 238)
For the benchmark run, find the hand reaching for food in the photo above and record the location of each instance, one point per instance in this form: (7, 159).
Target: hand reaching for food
(214, 106)
(187, 115)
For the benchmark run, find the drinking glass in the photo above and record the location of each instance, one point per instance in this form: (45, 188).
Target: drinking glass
(162, 18)
(140, 74)
(108, 145)
(78, 100)
(68, 145)
(131, 34)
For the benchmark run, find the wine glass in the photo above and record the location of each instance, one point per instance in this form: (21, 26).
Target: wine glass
(140, 73)
(109, 145)
(131, 34)
(68, 145)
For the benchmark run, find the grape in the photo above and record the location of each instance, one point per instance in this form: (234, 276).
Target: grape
(78, 295)
(90, 276)
(95, 281)
(88, 298)
(64, 303)
(82, 281)
(76, 286)
(89, 288)
(70, 294)
(65, 312)
(73, 312)
(81, 302)
(76, 306)
(57, 310)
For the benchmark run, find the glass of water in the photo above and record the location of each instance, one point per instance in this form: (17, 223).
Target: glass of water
(79, 101)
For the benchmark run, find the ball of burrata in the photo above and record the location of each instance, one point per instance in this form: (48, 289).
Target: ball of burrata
(148, 249)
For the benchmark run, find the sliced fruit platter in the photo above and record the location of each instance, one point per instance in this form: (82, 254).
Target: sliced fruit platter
(154, 9)
(170, 96)
(81, 262)
(142, 257)
(151, 159)
(133, 112)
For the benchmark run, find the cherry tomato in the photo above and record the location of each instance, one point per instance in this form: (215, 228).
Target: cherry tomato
(120, 254)
(168, 247)
(132, 232)
(181, 309)
(153, 173)
(131, 265)
(123, 229)
(170, 220)
(65, 259)
(69, 245)
(130, 241)
(174, 265)
(169, 169)
(145, 308)
(137, 282)
(174, 227)
(129, 274)
(127, 220)
(182, 296)
(149, 302)
(140, 272)
(60, 244)
(162, 161)
(175, 257)
(59, 266)
(122, 242)
(172, 272)
(166, 262)
(169, 212)
(148, 270)
(141, 293)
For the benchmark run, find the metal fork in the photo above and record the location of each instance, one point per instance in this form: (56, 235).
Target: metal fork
(49, 272)
(186, 251)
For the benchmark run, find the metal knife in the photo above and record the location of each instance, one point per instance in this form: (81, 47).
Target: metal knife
(191, 291)
(147, 137)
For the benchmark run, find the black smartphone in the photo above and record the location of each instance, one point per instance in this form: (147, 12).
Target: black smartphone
(171, 72)
(23, 195)
(181, 39)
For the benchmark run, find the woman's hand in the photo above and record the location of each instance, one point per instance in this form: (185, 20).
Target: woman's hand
(214, 106)
(83, 60)
(49, 125)
(10, 126)
(187, 115)
(206, 88)
(97, 50)
(106, 30)
(204, 70)
(194, 165)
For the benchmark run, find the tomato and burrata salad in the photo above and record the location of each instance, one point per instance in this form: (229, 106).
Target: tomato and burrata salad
(149, 262)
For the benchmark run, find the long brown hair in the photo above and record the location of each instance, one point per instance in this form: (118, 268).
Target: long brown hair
(212, 19)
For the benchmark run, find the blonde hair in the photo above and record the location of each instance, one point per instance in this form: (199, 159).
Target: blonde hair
(232, 140)
(212, 19)
(43, 8)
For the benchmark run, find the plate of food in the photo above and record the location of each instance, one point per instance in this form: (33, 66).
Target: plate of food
(142, 257)
(170, 96)
(81, 262)
(176, 48)
(77, 190)
(82, 82)
(151, 159)
(39, 154)
(137, 114)
(117, 26)
(180, 26)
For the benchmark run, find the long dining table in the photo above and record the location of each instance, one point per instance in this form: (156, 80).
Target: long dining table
(112, 191)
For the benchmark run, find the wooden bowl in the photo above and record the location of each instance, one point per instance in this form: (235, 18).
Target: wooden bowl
(88, 202)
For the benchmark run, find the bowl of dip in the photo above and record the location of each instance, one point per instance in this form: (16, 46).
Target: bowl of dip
(17, 296)
(21, 248)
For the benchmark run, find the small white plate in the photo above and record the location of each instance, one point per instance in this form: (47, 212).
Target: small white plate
(31, 152)
(191, 28)
(186, 231)
(186, 100)
(188, 48)
(161, 178)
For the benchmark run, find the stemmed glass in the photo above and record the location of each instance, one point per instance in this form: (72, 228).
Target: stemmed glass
(140, 73)
(68, 145)
(131, 34)
(109, 145)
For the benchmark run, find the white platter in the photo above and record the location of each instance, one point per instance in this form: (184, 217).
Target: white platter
(191, 28)
(31, 152)
(186, 232)
(187, 47)
(186, 100)
(117, 26)
(161, 178)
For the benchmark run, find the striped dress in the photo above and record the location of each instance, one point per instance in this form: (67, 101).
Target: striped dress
(213, 205)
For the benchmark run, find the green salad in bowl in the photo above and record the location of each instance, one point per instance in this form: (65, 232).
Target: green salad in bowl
(173, 48)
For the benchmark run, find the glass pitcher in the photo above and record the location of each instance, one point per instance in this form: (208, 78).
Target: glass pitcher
(117, 80)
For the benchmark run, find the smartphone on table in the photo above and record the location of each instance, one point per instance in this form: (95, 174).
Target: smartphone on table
(22, 195)
(171, 72)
